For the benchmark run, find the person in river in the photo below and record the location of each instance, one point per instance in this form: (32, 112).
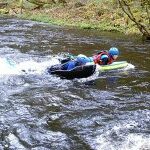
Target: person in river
(101, 58)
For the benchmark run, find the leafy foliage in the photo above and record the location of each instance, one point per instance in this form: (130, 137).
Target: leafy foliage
(138, 12)
(91, 14)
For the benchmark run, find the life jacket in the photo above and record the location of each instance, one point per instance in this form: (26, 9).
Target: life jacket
(97, 58)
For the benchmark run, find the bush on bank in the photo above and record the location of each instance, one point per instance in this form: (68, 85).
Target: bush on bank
(106, 15)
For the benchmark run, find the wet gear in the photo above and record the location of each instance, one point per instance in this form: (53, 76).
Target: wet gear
(78, 61)
(102, 58)
(82, 71)
(113, 51)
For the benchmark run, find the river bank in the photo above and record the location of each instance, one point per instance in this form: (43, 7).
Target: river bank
(43, 112)
(104, 16)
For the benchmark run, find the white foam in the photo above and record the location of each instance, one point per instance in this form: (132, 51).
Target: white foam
(129, 66)
(32, 67)
(8, 67)
(136, 142)
(132, 142)
(125, 140)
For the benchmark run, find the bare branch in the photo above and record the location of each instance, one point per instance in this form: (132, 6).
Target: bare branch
(129, 13)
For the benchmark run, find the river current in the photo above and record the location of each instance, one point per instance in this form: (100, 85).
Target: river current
(39, 111)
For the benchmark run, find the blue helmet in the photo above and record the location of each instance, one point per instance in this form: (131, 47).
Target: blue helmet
(104, 57)
(113, 51)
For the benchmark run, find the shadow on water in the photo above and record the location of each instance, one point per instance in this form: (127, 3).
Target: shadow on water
(41, 111)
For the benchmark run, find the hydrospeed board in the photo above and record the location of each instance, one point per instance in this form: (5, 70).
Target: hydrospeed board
(113, 66)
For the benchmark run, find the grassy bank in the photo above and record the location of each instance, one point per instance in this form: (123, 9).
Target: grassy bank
(90, 15)
(85, 24)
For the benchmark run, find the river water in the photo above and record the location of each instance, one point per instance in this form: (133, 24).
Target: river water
(39, 111)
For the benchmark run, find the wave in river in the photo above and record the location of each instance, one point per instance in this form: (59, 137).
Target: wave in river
(8, 67)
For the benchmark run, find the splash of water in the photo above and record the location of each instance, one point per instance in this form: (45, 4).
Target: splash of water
(122, 140)
(9, 67)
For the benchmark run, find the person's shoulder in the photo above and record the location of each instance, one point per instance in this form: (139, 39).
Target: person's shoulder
(102, 52)
(81, 55)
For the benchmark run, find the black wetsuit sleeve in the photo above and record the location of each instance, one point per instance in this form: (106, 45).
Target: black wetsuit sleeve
(65, 60)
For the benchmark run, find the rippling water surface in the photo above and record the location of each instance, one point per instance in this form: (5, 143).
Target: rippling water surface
(41, 112)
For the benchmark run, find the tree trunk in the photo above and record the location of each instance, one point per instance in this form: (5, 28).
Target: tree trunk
(21, 6)
(127, 10)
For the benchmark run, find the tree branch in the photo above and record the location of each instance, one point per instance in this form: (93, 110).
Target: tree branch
(129, 13)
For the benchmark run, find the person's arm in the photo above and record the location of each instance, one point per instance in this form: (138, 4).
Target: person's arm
(65, 60)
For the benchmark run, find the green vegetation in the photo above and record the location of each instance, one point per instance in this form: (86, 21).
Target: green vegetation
(127, 16)
(138, 12)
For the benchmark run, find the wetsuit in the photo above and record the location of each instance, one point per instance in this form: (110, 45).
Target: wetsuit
(103, 58)
(78, 61)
